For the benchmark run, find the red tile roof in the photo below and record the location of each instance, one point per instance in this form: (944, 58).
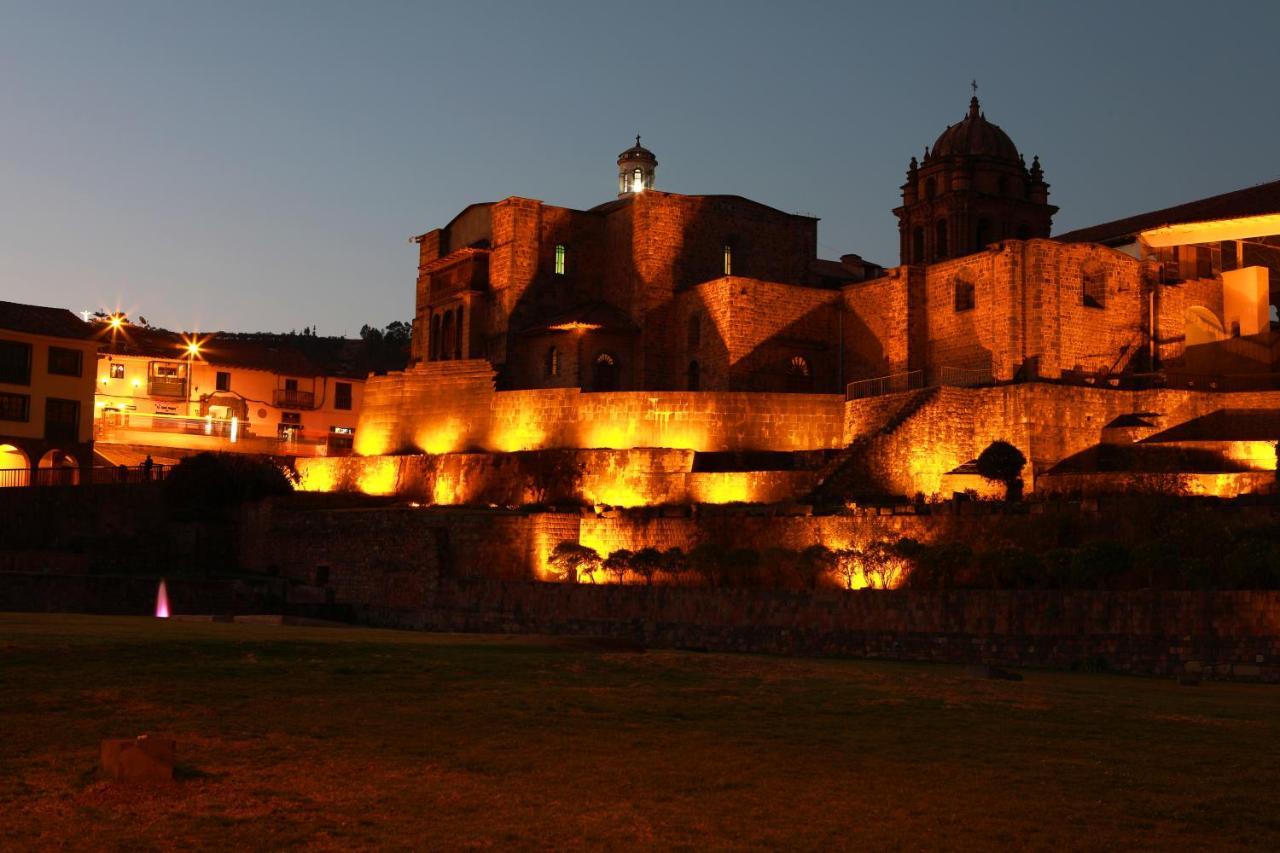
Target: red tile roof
(39, 320)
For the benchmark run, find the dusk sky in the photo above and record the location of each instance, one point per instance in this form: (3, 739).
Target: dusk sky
(261, 166)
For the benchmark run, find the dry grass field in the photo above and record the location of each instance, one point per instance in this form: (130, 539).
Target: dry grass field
(354, 739)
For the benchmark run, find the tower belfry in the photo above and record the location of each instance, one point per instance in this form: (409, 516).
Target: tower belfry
(636, 166)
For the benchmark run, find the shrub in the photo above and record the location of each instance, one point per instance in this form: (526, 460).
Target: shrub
(222, 480)
(1010, 568)
(815, 563)
(675, 564)
(1003, 462)
(940, 566)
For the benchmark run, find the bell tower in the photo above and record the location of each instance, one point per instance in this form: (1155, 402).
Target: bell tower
(972, 188)
(636, 166)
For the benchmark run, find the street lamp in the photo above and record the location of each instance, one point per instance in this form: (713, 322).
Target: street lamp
(193, 351)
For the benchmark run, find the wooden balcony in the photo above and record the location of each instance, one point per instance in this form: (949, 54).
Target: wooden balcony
(284, 398)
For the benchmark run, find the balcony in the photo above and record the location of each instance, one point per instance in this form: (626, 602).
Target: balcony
(160, 386)
(286, 398)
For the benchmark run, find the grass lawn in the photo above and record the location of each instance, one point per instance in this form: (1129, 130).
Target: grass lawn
(340, 739)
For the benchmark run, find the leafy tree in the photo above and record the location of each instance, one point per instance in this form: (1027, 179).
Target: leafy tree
(217, 481)
(708, 561)
(617, 564)
(881, 565)
(571, 561)
(814, 563)
(675, 563)
(1003, 463)
(848, 567)
(647, 562)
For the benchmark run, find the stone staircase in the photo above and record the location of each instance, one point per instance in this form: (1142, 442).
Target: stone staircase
(846, 476)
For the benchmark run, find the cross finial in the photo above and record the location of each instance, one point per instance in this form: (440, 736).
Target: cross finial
(973, 84)
(637, 140)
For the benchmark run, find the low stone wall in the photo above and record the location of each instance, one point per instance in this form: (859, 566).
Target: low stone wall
(444, 407)
(627, 478)
(1219, 634)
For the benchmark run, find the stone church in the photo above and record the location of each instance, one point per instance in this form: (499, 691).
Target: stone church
(663, 291)
(708, 324)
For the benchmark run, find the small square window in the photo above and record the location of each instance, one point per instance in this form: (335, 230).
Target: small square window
(64, 361)
(222, 382)
(117, 370)
(15, 407)
(965, 299)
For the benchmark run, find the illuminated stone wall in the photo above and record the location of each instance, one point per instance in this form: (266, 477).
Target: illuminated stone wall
(446, 407)
(636, 477)
(1047, 422)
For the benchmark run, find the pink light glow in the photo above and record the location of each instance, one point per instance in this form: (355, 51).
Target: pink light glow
(162, 601)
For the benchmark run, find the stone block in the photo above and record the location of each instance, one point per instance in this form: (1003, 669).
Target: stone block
(141, 760)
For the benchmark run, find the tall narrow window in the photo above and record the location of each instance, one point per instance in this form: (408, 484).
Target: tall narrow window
(457, 335)
(446, 336)
(940, 239)
(560, 253)
(728, 259)
(342, 395)
(551, 364)
(637, 181)
(222, 381)
(434, 354)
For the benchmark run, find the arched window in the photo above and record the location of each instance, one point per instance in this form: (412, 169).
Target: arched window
(695, 330)
(930, 187)
(917, 245)
(446, 336)
(605, 373)
(435, 338)
(965, 298)
(940, 239)
(637, 181)
(799, 374)
(1093, 287)
(694, 376)
(551, 363)
(728, 259)
(982, 235)
(457, 334)
(560, 257)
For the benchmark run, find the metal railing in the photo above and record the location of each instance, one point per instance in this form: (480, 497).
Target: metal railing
(916, 380)
(160, 387)
(911, 380)
(287, 398)
(11, 478)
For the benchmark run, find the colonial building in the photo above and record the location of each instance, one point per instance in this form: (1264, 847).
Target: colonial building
(277, 394)
(46, 394)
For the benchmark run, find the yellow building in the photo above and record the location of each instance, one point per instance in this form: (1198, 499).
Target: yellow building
(46, 395)
(283, 395)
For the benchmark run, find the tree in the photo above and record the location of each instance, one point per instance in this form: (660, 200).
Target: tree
(815, 562)
(646, 563)
(708, 562)
(881, 566)
(674, 564)
(1003, 463)
(617, 564)
(848, 568)
(571, 560)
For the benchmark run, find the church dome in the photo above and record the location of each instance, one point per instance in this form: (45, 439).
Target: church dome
(975, 136)
(637, 152)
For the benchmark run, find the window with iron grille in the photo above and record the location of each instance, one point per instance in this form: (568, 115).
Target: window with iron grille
(15, 407)
(15, 362)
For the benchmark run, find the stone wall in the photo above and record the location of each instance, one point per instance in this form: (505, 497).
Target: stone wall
(628, 478)
(1223, 634)
(451, 406)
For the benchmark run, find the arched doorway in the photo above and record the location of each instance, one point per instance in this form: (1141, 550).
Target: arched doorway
(58, 468)
(15, 467)
(605, 373)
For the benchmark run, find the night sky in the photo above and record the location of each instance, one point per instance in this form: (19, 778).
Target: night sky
(261, 166)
